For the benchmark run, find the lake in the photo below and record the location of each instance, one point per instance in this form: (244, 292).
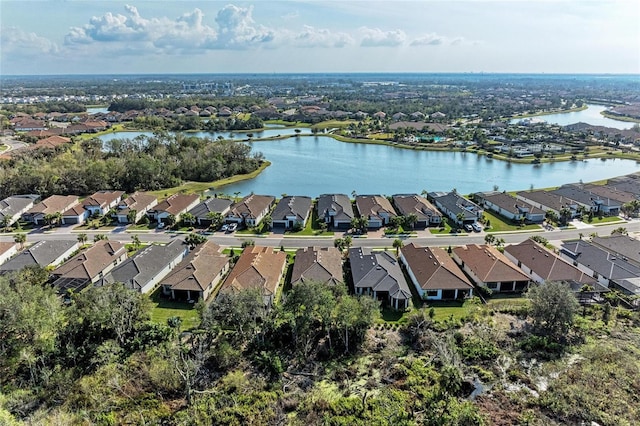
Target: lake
(313, 165)
(591, 115)
(263, 133)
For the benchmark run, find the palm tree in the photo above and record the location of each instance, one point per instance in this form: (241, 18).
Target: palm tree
(136, 241)
(131, 216)
(5, 222)
(235, 196)
(82, 238)
(216, 219)
(20, 238)
(397, 244)
(188, 218)
(267, 221)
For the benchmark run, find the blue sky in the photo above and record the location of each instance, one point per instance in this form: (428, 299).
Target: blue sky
(87, 37)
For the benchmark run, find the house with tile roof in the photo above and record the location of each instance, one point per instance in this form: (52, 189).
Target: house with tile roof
(291, 210)
(376, 208)
(7, 251)
(489, 268)
(318, 264)
(257, 268)
(250, 210)
(48, 253)
(174, 205)
(52, 205)
(88, 266)
(208, 206)
(542, 265)
(547, 201)
(144, 271)
(198, 274)
(434, 273)
(101, 202)
(378, 274)
(12, 208)
(75, 215)
(590, 200)
(336, 210)
(426, 213)
(138, 202)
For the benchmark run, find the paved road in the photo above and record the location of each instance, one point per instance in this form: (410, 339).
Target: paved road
(11, 143)
(274, 240)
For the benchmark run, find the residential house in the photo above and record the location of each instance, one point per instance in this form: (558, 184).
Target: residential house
(510, 207)
(250, 210)
(336, 210)
(174, 205)
(456, 207)
(138, 204)
(102, 202)
(144, 271)
(291, 211)
(623, 245)
(257, 268)
(52, 205)
(318, 264)
(589, 200)
(7, 250)
(44, 254)
(75, 215)
(434, 273)
(379, 275)
(628, 286)
(489, 268)
(543, 265)
(88, 266)
(198, 274)
(612, 192)
(202, 211)
(426, 213)
(548, 201)
(608, 268)
(11, 208)
(376, 208)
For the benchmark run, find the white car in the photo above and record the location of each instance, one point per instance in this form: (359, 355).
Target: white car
(224, 227)
(232, 227)
(476, 227)
(468, 228)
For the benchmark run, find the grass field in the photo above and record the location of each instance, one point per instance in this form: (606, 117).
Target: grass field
(500, 224)
(164, 309)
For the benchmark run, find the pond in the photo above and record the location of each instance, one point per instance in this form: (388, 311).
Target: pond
(257, 134)
(591, 115)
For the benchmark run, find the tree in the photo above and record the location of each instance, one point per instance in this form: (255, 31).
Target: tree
(620, 231)
(397, 244)
(136, 241)
(188, 218)
(100, 237)
(553, 306)
(267, 221)
(489, 239)
(243, 312)
(195, 239)
(20, 238)
(82, 238)
(216, 219)
(171, 220)
(131, 216)
(360, 224)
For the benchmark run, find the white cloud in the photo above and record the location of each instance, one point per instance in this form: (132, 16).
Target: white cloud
(319, 37)
(375, 37)
(428, 40)
(18, 42)
(237, 29)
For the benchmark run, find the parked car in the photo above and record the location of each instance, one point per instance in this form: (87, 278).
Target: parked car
(224, 227)
(476, 227)
(232, 227)
(468, 228)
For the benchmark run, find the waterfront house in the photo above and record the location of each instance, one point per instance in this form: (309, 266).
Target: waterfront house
(426, 213)
(336, 210)
(509, 206)
(548, 201)
(250, 210)
(291, 211)
(376, 209)
(456, 207)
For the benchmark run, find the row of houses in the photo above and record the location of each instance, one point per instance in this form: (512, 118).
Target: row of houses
(588, 267)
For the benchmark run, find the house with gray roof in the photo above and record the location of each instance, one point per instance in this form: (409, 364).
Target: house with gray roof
(606, 267)
(590, 200)
(379, 275)
(44, 254)
(510, 207)
(426, 213)
(623, 245)
(453, 204)
(434, 273)
(11, 208)
(336, 210)
(202, 211)
(319, 264)
(144, 271)
(630, 183)
(291, 210)
(548, 201)
(376, 208)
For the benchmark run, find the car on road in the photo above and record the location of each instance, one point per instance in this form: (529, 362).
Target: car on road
(476, 227)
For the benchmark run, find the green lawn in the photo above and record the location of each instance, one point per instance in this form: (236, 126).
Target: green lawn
(446, 230)
(311, 228)
(500, 224)
(164, 309)
(606, 220)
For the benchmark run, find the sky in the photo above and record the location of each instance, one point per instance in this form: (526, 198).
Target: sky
(301, 36)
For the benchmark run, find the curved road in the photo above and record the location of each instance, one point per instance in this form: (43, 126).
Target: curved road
(276, 240)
